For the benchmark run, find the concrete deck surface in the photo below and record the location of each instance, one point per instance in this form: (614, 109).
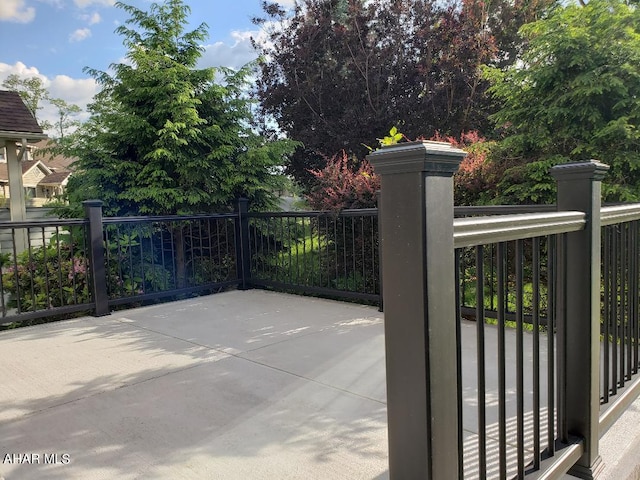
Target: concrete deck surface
(237, 385)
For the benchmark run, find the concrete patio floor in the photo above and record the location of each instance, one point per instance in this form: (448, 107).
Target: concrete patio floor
(237, 385)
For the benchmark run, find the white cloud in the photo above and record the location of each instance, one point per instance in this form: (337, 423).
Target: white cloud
(91, 19)
(79, 91)
(80, 35)
(86, 3)
(234, 56)
(19, 69)
(16, 11)
(73, 90)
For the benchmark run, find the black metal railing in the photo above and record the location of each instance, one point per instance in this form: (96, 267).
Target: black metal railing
(317, 253)
(502, 418)
(511, 397)
(520, 276)
(620, 328)
(45, 270)
(58, 267)
(154, 257)
(513, 276)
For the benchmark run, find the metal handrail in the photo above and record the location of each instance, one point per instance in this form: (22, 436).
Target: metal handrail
(480, 210)
(44, 222)
(619, 214)
(473, 231)
(166, 218)
(356, 212)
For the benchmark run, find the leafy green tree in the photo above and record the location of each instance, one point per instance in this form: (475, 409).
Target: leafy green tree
(32, 91)
(575, 96)
(66, 116)
(163, 137)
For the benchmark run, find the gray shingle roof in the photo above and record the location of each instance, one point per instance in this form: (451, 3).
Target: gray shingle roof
(55, 178)
(15, 116)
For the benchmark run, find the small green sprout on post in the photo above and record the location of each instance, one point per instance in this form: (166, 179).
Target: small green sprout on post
(394, 137)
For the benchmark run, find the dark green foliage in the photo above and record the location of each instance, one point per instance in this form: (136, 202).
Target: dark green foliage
(165, 137)
(574, 97)
(329, 251)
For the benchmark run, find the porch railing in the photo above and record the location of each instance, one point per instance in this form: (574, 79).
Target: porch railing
(552, 297)
(563, 342)
(97, 263)
(332, 254)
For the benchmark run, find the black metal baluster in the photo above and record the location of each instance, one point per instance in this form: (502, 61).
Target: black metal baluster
(212, 264)
(59, 254)
(502, 417)
(172, 247)
(623, 302)
(16, 272)
(535, 319)
(635, 287)
(143, 286)
(305, 270)
(614, 310)
(353, 282)
(607, 312)
(190, 248)
(31, 269)
(362, 257)
(629, 319)
(48, 301)
(293, 241)
(492, 276)
(165, 280)
(519, 260)
(72, 257)
(154, 273)
(552, 278)
(131, 267)
(480, 338)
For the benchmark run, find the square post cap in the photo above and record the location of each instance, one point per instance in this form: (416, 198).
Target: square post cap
(591, 170)
(432, 158)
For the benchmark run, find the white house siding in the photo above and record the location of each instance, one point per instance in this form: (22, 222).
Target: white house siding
(33, 177)
(36, 234)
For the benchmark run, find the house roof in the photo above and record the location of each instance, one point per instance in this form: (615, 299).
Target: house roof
(55, 178)
(16, 121)
(51, 178)
(56, 162)
(26, 166)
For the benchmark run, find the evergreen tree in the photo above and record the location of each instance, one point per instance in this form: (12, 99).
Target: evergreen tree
(164, 137)
(575, 96)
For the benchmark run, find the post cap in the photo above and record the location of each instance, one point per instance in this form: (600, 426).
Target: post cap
(92, 203)
(591, 170)
(434, 158)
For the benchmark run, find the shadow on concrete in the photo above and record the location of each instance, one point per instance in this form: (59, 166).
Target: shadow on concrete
(127, 397)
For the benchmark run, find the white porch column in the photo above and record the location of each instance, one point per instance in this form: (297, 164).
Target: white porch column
(16, 192)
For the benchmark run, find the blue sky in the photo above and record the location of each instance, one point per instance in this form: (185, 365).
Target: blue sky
(56, 39)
